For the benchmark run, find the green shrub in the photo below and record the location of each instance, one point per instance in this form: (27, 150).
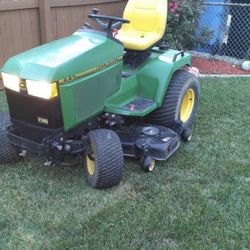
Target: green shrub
(182, 27)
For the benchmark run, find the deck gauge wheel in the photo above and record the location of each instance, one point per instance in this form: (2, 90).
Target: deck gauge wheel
(148, 164)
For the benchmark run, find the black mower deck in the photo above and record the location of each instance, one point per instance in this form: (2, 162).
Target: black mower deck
(156, 142)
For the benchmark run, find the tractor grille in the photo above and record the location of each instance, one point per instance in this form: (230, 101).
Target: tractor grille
(35, 111)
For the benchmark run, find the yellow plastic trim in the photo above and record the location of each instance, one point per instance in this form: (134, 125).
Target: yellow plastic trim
(187, 105)
(147, 23)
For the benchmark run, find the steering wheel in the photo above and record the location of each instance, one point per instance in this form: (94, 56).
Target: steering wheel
(110, 22)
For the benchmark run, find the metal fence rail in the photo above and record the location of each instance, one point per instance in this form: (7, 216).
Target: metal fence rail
(229, 24)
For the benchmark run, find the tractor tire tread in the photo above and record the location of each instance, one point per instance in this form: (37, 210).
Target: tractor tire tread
(8, 153)
(109, 158)
(166, 114)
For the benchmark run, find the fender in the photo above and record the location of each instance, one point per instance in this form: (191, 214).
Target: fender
(149, 82)
(154, 78)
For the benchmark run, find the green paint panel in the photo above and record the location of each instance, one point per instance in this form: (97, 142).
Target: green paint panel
(97, 59)
(126, 93)
(149, 81)
(85, 98)
(82, 52)
(64, 57)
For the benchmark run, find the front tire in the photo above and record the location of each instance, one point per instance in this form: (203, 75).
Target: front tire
(104, 159)
(8, 153)
(180, 102)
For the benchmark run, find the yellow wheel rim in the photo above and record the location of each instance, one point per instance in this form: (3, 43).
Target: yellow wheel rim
(187, 105)
(90, 164)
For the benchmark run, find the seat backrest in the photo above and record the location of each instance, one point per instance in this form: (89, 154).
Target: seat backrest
(146, 15)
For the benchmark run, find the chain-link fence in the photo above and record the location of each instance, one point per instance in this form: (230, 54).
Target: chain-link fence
(229, 24)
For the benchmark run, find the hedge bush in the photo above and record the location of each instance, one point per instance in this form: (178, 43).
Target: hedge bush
(182, 28)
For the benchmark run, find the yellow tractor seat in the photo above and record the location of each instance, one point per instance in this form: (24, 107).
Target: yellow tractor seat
(147, 25)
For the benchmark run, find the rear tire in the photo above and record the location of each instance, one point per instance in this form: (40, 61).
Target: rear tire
(180, 103)
(8, 153)
(104, 159)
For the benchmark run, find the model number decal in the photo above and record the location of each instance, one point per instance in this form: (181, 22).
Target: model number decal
(90, 71)
(43, 121)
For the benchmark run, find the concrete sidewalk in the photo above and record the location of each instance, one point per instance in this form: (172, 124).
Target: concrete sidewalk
(224, 76)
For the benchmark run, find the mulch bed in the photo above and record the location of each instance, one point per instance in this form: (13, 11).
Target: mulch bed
(207, 66)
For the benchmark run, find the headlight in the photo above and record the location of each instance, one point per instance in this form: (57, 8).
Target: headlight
(11, 82)
(43, 90)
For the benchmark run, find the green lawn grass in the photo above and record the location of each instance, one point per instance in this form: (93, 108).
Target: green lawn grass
(199, 199)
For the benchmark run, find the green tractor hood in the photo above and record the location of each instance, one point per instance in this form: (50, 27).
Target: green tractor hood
(63, 58)
(80, 64)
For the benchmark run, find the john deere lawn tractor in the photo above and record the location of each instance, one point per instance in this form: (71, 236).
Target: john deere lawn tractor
(101, 95)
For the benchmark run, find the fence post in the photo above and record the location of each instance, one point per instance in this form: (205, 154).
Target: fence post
(45, 20)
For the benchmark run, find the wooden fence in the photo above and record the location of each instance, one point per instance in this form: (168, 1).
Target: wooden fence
(25, 24)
